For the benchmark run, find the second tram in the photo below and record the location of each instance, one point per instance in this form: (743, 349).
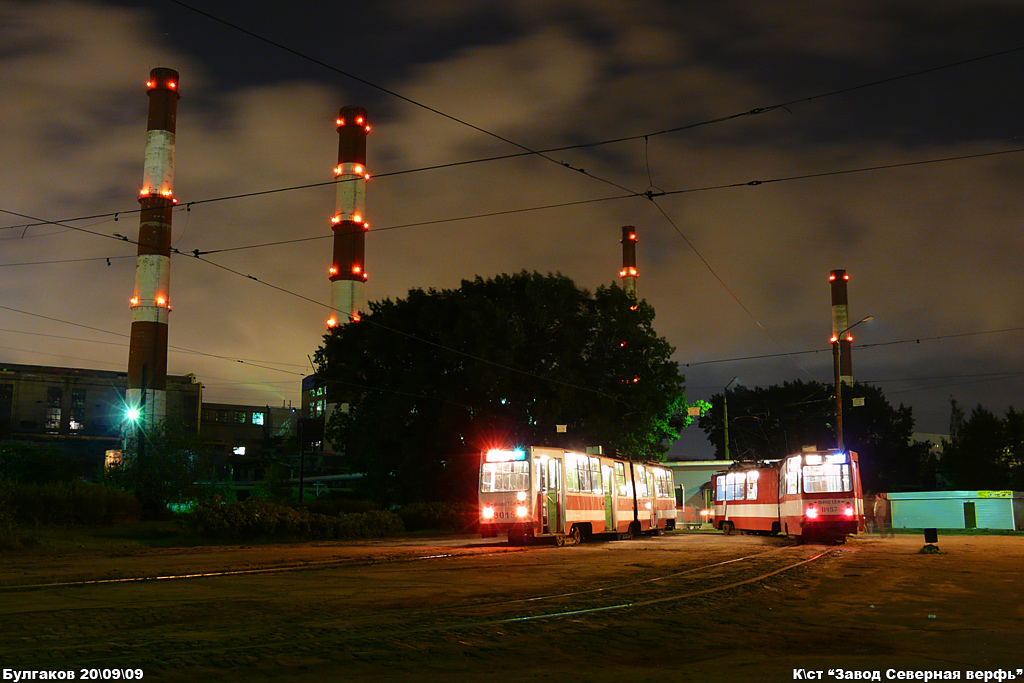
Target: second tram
(537, 492)
(811, 495)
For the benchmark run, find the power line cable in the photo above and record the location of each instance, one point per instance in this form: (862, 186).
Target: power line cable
(913, 340)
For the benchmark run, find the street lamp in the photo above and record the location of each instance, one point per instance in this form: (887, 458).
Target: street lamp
(725, 413)
(839, 384)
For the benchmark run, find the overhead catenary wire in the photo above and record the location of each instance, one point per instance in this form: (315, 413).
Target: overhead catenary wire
(529, 152)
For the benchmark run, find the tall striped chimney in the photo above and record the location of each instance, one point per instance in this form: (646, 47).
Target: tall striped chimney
(150, 304)
(628, 272)
(841, 322)
(348, 269)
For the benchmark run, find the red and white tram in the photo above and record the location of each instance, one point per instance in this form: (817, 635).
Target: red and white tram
(551, 492)
(812, 495)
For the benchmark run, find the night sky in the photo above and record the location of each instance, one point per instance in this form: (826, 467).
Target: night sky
(734, 270)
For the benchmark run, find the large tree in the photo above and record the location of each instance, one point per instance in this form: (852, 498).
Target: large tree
(984, 451)
(771, 422)
(433, 379)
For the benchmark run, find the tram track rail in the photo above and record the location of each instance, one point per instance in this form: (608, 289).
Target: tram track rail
(396, 626)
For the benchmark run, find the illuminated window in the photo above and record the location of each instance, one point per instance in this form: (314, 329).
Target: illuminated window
(793, 476)
(642, 484)
(238, 450)
(731, 486)
(257, 418)
(77, 419)
(54, 405)
(620, 478)
(572, 475)
(240, 417)
(595, 476)
(752, 477)
(827, 478)
(511, 475)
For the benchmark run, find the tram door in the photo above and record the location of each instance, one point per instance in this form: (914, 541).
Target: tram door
(551, 483)
(609, 502)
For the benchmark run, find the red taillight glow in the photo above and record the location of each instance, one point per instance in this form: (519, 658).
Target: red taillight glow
(848, 512)
(521, 511)
(811, 512)
(488, 513)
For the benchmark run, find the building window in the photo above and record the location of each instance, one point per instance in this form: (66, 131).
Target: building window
(238, 450)
(77, 422)
(222, 416)
(54, 399)
(257, 418)
(240, 416)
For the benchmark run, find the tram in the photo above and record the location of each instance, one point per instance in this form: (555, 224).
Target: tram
(813, 495)
(537, 492)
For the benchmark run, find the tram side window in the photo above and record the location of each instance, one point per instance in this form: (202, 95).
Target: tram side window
(793, 476)
(583, 467)
(827, 478)
(572, 479)
(620, 478)
(642, 488)
(752, 484)
(505, 476)
(662, 484)
(595, 476)
(732, 486)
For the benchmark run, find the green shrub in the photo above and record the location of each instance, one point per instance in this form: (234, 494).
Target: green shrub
(451, 517)
(257, 518)
(335, 505)
(68, 503)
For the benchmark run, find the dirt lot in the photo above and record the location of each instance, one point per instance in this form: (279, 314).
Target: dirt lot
(680, 607)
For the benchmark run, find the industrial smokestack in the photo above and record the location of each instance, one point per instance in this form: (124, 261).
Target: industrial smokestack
(628, 272)
(150, 304)
(841, 323)
(348, 270)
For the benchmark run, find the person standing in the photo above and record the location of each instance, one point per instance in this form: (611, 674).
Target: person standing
(882, 513)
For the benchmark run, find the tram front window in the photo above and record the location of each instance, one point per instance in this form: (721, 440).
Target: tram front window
(505, 476)
(830, 478)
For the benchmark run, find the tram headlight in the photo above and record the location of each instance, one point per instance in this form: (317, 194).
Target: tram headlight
(811, 512)
(488, 512)
(521, 496)
(848, 512)
(521, 511)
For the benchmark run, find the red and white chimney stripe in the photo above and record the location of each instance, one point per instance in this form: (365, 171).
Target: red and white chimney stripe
(348, 267)
(150, 303)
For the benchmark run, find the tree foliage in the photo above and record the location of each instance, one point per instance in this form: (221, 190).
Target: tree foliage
(165, 463)
(771, 422)
(433, 379)
(985, 452)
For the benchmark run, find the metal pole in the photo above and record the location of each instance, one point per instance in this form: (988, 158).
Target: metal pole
(725, 413)
(839, 395)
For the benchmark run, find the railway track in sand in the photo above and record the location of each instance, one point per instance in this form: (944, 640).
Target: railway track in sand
(418, 605)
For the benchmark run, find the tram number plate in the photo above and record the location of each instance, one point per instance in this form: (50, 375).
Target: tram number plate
(830, 507)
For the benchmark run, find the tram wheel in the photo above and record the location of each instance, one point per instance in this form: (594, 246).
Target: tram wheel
(576, 534)
(728, 528)
(559, 540)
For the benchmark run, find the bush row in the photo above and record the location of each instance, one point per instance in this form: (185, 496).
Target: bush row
(67, 503)
(263, 519)
(452, 517)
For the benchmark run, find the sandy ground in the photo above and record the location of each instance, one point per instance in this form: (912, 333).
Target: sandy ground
(680, 607)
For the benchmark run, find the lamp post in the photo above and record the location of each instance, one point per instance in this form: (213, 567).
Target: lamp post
(839, 384)
(725, 413)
